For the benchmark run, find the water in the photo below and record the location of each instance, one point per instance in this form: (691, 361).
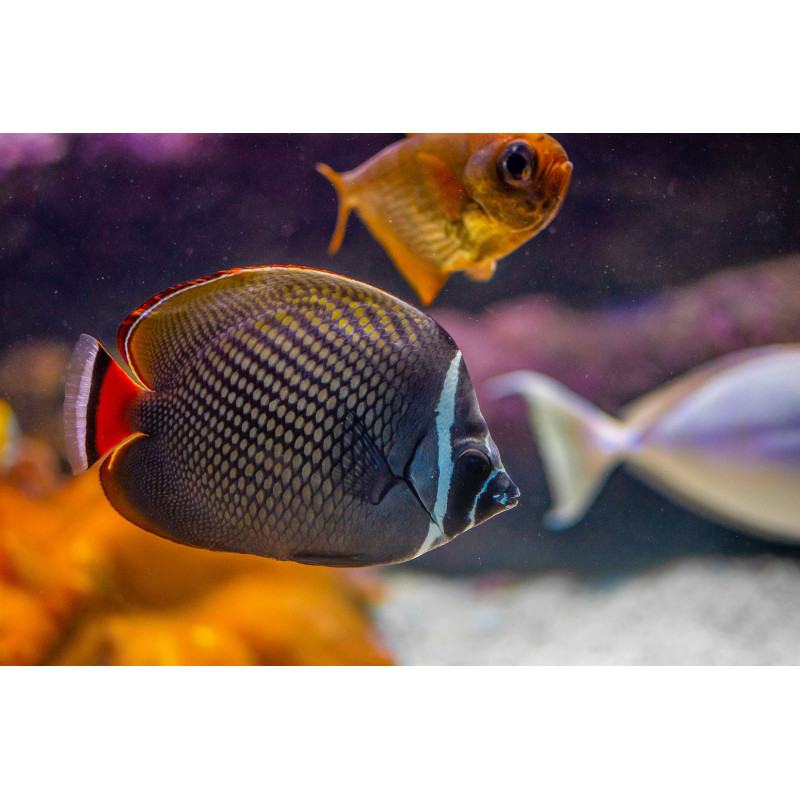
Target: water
(652, 265)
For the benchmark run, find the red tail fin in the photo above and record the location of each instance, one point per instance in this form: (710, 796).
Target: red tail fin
(97, 398)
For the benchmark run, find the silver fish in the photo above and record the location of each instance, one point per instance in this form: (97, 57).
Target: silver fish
(722, 440)
(289, 413)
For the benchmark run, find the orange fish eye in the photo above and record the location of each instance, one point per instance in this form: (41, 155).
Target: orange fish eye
(517, 164)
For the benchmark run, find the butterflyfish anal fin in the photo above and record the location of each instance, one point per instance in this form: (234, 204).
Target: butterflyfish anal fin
(138, 482)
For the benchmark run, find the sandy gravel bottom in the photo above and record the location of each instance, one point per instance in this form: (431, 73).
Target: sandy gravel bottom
(700, 611)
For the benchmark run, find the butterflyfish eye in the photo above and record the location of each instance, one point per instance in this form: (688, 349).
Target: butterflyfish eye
(517, 164)
(474, 465)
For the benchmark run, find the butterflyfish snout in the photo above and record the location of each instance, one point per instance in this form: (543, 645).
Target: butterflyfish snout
(505, 492)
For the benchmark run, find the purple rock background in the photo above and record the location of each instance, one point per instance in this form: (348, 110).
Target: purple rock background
(652, 266)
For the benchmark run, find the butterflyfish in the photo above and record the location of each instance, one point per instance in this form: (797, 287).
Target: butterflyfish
(723, 440)
(290, 413)
(440, 203)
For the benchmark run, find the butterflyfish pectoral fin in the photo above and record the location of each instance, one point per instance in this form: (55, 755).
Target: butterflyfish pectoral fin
(345, 204)
(359, 464)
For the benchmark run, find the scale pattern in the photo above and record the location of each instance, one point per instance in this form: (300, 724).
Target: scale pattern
(262, 406)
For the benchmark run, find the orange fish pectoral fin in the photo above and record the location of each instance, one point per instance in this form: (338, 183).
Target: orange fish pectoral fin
(448, 190)
(482, 271)
(345, 204)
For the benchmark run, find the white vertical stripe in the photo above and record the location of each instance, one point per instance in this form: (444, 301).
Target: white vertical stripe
(445, 418)
(478, 497)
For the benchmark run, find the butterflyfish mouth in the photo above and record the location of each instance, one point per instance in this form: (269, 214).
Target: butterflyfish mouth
(503, 491)
(507, 498)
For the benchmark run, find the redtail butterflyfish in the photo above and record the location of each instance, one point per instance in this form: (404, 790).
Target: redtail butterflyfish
(290, 413)
(440, 203)
(722, 440)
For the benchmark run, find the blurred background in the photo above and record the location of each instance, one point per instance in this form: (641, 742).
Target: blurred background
(669, 250)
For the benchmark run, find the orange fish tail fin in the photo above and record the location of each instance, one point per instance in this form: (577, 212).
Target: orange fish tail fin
(97, 398)
(345, 204)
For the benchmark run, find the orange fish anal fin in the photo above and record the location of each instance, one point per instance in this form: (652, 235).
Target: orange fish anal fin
(426, 279)
(444, 186)
(345, 204)
(97, 398)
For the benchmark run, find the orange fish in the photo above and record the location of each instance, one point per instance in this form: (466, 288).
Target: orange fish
(444, 202)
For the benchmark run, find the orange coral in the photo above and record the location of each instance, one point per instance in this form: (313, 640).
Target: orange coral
(81, 585)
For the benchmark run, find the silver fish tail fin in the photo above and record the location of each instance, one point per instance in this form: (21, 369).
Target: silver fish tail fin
(580, 445)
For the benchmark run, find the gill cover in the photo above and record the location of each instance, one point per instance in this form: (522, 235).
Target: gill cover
(456, 470)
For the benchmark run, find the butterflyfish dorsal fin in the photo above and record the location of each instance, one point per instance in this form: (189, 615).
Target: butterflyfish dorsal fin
(448, 190)
(157, 339)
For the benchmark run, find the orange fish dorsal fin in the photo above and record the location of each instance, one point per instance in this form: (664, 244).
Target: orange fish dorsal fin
(443, 185)
(345, 204)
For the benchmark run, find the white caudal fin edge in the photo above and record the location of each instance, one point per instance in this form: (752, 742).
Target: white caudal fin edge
(76, 398)
(579, 444)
